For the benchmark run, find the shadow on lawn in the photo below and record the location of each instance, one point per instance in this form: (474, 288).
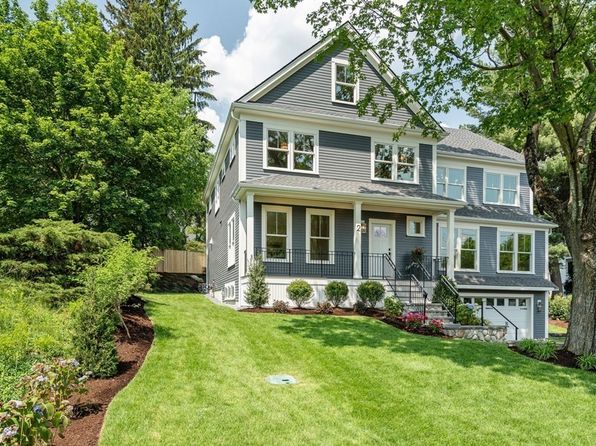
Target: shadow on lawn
(349, 332)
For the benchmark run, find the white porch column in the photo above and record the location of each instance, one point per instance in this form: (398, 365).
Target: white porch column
(242, 238)
(357, 269)
(450, 243)
(250, 227)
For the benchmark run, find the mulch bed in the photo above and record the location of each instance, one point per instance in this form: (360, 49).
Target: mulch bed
(402, 326)
(336, 311)
(90, 408)
(563, 358)
(559, 323)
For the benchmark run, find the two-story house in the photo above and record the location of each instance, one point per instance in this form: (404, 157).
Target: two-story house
(321, 193)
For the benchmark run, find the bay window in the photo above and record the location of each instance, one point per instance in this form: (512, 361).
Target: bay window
(395, 163)
(290, 150)
(276, 232)
(320, 237)
(466, 248)
(501, 189)
(515, 252)
(450, 182)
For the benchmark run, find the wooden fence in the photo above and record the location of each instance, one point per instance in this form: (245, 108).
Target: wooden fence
(181, 262)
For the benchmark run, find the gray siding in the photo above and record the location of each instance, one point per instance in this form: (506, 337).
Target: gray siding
(218, 273)
(254, 149)
(474, 185)
(524, 193)
(539, 317)
(309, 89)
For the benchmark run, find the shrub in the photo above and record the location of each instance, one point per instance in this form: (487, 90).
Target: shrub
(299, 292)
(467, 316)
(279, 306)
(414, 320)
(124, 272)
(393, 307)
(558, 307)
(336, 292)
(360, 307)
(257, 293)
(526, 345)
(587, 362)
(371, 292)
(44, 408)
(441, 294)
(435, 326)
(542, 350)
(324, 308)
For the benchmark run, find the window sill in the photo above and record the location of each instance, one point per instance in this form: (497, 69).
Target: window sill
(336, 101)
(416, 235)
(516, 272)
(281, 169)
(386, 180)
(502, 204)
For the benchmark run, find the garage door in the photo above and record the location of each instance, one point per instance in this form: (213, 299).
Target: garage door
(516, 309)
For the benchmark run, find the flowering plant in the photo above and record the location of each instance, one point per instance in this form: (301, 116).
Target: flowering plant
(414, 320)
(44, 408)
(436, 326)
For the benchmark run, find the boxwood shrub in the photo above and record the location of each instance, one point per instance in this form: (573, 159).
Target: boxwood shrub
(371, 292)
(336, 292)
(299, 292)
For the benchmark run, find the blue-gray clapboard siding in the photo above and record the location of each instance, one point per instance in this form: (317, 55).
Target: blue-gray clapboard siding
(539, 317)
(475, 186)
(309, 89)
(488, 252)
(218, 273)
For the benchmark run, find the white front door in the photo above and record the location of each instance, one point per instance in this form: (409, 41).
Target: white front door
(381, 241)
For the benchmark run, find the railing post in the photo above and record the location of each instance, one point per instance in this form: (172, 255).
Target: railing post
(290, 261)
(481, 311)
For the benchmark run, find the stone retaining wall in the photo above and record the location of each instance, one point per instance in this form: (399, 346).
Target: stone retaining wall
(492, 333)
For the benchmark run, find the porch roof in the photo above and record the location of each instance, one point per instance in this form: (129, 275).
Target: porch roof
(355, 190)
(503, 281)
(505, 213)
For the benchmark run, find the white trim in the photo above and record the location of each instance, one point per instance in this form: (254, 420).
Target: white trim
(291, 130)
(516, 233)
(334, 63)
(288, 211)
(395, 146)
(501, 187)
(250, 227)
(392, 244)
(483, 159)
(242, 238)
(416, 219)
(228, 292)
(457, 246)
(357, 240)
(481, 287)
(242, 150)
(231, 240)
(434, 236)
(492, 222)
(324, 212)
(448, 166)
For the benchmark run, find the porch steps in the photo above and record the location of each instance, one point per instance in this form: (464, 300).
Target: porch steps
(433, 310)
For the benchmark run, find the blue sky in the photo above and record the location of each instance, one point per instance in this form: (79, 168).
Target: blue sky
(245, 48)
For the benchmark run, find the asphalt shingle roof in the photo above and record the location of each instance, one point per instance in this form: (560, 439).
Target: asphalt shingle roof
(331, 185)
(466, 142)
(503, 280)
(495, 212)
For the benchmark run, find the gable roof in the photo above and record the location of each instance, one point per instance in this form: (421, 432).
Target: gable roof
(310, 54)
(465, 142)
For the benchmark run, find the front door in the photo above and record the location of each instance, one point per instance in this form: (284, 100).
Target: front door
(381, 241)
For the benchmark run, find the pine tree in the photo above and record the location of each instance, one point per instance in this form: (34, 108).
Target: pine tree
(257, 293)
(159, 41)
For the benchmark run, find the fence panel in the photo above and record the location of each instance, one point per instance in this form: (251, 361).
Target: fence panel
(180, 262)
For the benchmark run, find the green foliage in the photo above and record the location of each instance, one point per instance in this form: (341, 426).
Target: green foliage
(159, 42)
(336, 292)
(53, 253)
(324, 308)
(88, 137)
(44, 408)
(257, 293)
(587, 362)
(559, 307)
(195, 246)
(299, 292)
(279, 306)
(467, 316)
(96, 317)
(360, 307)
(442, 294)
(371, 292)
(393, 307)
(558, 251)
(542, 350)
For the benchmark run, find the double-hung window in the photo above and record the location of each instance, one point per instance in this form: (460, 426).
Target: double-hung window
(344, 83)
(320, 235)
(394, 162)
(515, 252)
(216, 197)
(501, 189)
(450, 182)
(290, 150)
(231, 240)
(466, 248)
(277, 232)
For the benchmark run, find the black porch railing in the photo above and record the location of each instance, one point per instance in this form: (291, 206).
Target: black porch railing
(305, 263)
(428, 268)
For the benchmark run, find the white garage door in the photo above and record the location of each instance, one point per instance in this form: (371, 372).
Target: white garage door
(516, 309)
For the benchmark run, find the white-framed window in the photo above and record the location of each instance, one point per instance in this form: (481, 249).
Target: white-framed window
(231, 234)
(467, 247)
(276, 222)
(232, 148)
(415, 226)
(515, 252)
(228, 291)
(216, 197)
(320, 235)
(344, 84)
(294, 150)
(210, 200)
(395, 162)
(501, 188)
(451, 182)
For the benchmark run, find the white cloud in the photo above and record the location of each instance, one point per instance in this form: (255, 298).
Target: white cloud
(270, 41)
(211, 116)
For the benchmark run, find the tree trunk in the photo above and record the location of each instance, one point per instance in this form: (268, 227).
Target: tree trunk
(581, 338)
(555, 273)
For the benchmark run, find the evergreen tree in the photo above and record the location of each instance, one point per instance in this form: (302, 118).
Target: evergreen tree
(159, 41)
(257, 293)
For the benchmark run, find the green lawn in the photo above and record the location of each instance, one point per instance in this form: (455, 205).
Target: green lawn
(361, 382)
(552, 328)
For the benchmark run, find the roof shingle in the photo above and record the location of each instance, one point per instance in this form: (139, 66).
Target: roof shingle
(465, 142)
(498, 212)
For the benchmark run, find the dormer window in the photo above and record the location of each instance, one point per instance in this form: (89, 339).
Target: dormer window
(394, 162)
(345, 84)
(501, 189)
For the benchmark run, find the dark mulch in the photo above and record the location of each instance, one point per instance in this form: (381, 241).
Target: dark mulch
(563, 358)
(90, 408)
(336, 311)
(558, 323)
(398, 323)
